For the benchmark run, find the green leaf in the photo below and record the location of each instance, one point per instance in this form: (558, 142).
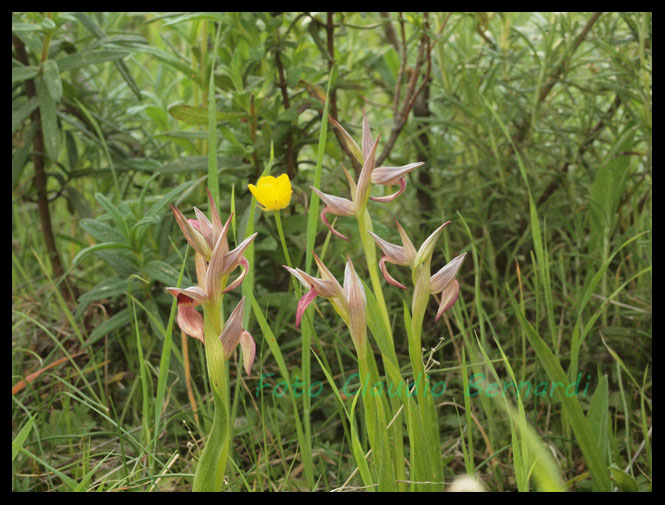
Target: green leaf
(211, 16)
(20, 114)
(183, 65)
(624, 481)
(25, 27)
(21, 73)
(18, 442)
(101, 231)
(199, 115)
(598, 415)
(85, 59)
(115, 213)
(118, 320)
(90, 24)
(108, 288)
(98, 247)
(163, 272)
(571, 405)
(51, 74)
(47, 111)
(166, 199)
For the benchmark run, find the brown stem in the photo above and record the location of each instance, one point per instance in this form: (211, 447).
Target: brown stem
(590, 137)
(252, 135)
(40, 180)
(390, 31)
(421, 110)
(330, 33)
(290, 152)
(409, 97)
(402, 66)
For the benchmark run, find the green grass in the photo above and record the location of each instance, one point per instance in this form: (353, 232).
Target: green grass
(535, 130)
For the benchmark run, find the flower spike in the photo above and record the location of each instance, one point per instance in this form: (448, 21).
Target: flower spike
(214, 263)
(370, 174)
(348, 301)
(444, 281)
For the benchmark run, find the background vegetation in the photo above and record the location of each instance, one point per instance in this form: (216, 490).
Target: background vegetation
(536, 133)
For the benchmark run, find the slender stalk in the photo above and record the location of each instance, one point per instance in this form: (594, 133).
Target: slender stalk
(278, 221)
(427, 409)
(211, 468)
(369, 247)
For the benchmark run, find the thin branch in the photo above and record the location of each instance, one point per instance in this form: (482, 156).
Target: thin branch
(399, 119)
(40, 179)
(390, 31)
(290, 157)
(330, 33)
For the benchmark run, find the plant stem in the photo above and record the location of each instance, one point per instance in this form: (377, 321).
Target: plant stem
(211, 468)
(278, 221)
(364, 226)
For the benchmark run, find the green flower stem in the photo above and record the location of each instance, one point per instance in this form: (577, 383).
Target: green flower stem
(426, 407)
(287, 256)
(369, 247)
(278, 221)
(307, 332)
(375, 420)
(211, 467)
(365, 225)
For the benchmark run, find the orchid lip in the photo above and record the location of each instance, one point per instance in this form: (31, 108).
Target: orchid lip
(389, 278)
(329, 226)
(303, 303)
(391, 197)
(448, 298)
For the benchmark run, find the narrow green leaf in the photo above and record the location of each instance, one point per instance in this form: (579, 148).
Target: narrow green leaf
(118, 320)
(47, 111)
(98, 247)
(598, 415)
(21, 73)
(51, 74)
(70, 483)
(571, 405)
(18, 442)
(21, 114)
(624, 481)
(89, 58)
(313, 212)
(115, 213)
(199, 115)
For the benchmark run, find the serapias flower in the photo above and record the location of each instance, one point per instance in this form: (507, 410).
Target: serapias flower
(349, 300)
(234, 334)
(214, 263)
(443, 282)
(272, 193)
(360, 191)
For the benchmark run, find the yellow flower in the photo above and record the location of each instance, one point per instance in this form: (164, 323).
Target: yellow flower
(272, 193)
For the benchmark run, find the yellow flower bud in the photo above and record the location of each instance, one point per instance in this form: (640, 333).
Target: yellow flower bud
(272, 193)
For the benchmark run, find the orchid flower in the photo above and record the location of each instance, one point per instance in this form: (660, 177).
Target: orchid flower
(360, 191)
(214, 263)
(349, 300)
(234, 334)
(444, 281)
